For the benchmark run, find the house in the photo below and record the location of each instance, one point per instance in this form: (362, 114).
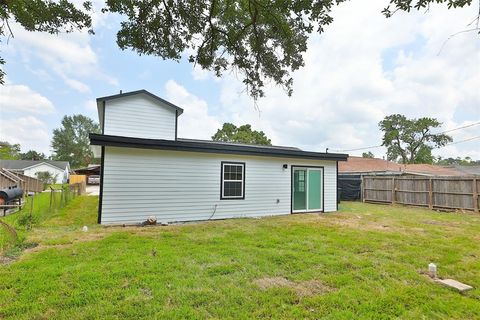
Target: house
(473, 170)
(148, 171)
(58, 169)
(374, 166)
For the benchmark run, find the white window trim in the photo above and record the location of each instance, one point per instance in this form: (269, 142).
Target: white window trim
(231, 180)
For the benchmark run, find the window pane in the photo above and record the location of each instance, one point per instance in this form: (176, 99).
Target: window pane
(233, 172)
(232, 189)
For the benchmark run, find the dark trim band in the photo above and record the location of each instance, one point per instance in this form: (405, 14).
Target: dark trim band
(191, 146)
(100, 195)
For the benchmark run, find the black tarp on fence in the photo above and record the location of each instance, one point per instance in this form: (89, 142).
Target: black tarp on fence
(350, 187)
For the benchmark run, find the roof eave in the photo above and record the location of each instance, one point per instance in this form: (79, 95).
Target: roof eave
(143, 91)
(117, 141)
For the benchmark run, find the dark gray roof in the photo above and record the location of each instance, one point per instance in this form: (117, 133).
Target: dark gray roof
(143, 91)
(211, 147)
(474, 170)
(22, 164)
(239, 144)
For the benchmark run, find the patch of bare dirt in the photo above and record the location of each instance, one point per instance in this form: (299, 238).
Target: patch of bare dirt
(6, 260)
(302, 288)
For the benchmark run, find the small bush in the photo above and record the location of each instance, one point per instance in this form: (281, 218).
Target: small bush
(47, 178)
(27, 220)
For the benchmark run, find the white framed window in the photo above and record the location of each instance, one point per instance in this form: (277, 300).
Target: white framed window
(232, 180)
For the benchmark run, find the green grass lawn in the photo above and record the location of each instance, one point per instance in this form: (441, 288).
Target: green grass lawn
(364, 262)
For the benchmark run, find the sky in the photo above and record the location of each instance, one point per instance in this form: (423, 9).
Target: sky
(361, 69)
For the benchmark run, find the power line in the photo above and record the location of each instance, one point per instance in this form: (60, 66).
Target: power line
(450, 130)
(462, 127)
(357, 149)
(461, 141)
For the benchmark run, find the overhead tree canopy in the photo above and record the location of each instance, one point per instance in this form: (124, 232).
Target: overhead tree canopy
(243, 134)
(263, 40)
(411, 140)
(71, 142)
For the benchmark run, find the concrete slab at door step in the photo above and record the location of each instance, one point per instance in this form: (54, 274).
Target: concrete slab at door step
(462, 287)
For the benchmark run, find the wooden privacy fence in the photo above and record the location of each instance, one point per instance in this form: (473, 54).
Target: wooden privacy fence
(434, 193)
(11, 178)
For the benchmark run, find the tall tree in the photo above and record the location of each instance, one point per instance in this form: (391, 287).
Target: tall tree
(262, 39)
(243, 134)
(33, 155)
(71, 142)
(411, 140)
(9, 151)
(368, 154)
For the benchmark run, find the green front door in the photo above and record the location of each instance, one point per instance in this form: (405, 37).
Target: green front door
(307, 184)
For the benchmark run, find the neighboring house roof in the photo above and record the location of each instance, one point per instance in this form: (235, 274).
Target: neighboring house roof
(370, 165)
(211, 147)
(433, 170)
(143, 91)
(473, 170)
(357, 165)
(23, 164)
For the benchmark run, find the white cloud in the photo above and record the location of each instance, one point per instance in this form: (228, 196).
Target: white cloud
(29, 132)
(77, 85)
(66, 56)
(195, 122)
(91, 105)
(22, 99)
(365, 67)
(200, 74)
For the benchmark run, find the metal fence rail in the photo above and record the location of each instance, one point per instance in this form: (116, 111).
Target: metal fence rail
(434, 193)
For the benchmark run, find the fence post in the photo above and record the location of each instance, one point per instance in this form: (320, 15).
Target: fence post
(363, 188)
(51, 196)
(393, 190)
(475, 195)
(430, 193)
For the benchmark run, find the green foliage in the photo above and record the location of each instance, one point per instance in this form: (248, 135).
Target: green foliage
(33, 155)
(45, 16)
(411, 140)
(467, 161)
(46, 177)
(403, 5)
(9, 151)
(364, 262)
(71, 142)
(27, 220)
(242, 134)
(262, 39)
(368, 154)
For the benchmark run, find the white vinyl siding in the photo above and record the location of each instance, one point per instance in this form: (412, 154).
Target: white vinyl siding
(185, 186)
(139, 116)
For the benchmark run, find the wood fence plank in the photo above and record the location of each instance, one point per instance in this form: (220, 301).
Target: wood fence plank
(433, 192)
(475, 195)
